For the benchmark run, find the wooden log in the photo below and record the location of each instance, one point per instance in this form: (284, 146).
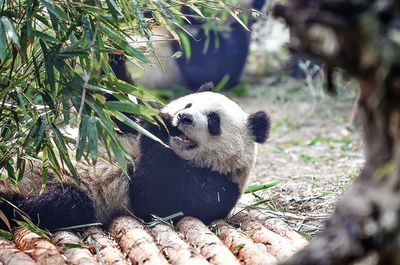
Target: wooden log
(73, 249)
(40, 249)
(198, 234)
(277, 245)
(106, 249)
(243, 247)
(138, 245)
(176, 250)
(10, 255)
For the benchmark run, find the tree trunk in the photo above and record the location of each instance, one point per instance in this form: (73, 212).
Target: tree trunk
(355, 35)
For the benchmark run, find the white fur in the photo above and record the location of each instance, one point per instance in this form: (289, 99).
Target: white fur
(233, 151)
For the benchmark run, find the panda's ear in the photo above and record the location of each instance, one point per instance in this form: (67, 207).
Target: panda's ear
(259, 124)
(209, 86)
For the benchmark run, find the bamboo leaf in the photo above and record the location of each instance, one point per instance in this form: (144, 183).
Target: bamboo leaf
(93, 139)
(83, 132)
(120, 116)
(122, 43)
(131, 108)
(45, 169)
(55, 10)
(3, 43)
(255, 188)
(10, 32)
(119, 157)
(232, 13)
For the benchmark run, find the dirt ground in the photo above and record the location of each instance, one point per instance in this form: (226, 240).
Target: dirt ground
(314, 150)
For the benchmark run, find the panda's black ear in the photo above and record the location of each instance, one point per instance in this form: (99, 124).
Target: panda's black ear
(259, 124)
(209, 86)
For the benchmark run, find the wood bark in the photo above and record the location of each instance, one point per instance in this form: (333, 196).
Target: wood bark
(357, 36)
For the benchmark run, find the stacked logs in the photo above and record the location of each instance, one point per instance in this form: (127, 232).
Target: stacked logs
(240, 240)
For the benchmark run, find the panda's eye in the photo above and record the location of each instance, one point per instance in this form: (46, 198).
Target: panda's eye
(188, 105)
(214, 123)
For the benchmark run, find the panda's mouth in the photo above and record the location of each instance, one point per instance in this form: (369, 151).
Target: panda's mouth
(184, 141)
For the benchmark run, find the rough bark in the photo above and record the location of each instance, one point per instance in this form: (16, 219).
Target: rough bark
(358, 36)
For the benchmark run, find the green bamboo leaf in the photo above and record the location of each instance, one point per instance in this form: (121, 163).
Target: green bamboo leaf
(59, 137)
(93, 138)
(10, 169)
(83, 132)
(132, 108)
(66, 106)
(187, 48)
(55, 10)
(10, 32)
(255, 188)
(3, 43)
(122, 43)
(45, 168)
(6, 235)
(49, 66)
(120, 116)
(45, 37)
(119, 157)
(124, 87)
(39, 134)
(115, 10)
(232, 13)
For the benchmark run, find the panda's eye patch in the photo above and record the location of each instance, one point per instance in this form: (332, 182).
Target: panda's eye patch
(214, 123)
(188, 105)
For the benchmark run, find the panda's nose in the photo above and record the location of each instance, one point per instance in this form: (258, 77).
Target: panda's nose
(185, 118)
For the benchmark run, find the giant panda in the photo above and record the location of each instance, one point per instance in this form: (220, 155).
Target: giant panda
(211, 152)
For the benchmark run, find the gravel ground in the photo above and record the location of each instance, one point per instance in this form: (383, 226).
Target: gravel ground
(314, 150)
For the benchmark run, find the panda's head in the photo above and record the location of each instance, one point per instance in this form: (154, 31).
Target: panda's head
(210, 130)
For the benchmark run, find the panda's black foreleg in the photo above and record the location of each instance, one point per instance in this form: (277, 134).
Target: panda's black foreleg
(64, 206)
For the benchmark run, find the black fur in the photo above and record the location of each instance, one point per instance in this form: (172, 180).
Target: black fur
(65, 206)
(166, 184)
(209, 86)
(214, 123)
(259, 124)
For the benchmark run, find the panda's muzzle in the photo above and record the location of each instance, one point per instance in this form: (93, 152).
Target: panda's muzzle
(178, 136)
